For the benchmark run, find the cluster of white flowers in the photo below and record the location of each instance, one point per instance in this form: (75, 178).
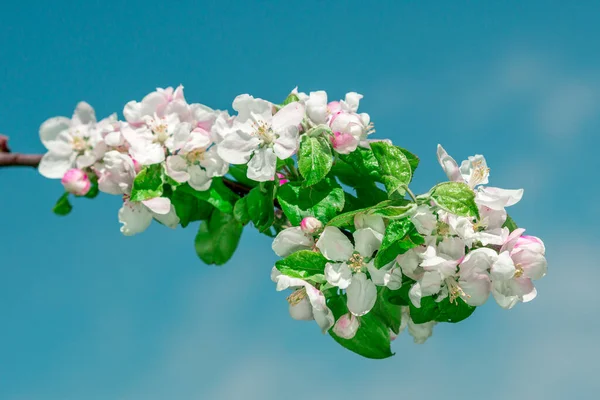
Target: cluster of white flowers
(461, 258)
(457, 259)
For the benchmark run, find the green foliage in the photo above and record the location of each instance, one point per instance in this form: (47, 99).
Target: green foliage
(372, 339)
(444, 311)
(390, 314)
(93, 192)
(218, 238)
(62, 206)
(188, 207)
(240, 211)
(292, 97)
(510, 223)
(396, 172)
(322, 201)
(303, 264)
(314, 159)
(413, 160)
(148, 184)
(400, 236)
(240, 174)
(363, 162)
(455, 197)
(259, 205)
(219, 195)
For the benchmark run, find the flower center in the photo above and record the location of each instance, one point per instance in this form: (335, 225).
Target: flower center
(480, 173)
(79, 144)
(195, 156)
(443, 229)
(297, 296)
(455, 291)
(519, 271)
(159, 128)
(356, 262)
(264, 132)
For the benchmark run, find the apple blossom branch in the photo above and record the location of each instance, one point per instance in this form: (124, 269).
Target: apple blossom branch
(10, 159)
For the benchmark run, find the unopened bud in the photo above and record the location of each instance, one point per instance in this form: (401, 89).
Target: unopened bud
(76, 182)
(311, 225)
(346, 326)
(282, 179)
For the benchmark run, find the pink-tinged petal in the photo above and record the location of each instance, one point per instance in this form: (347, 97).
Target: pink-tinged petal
(310, 225)
(449, 165)
(76, 182)
(511, 240)
(534, 264)
(477, 289)
(346, 326)
(496, 198)
(344, 143)
(170, 219)
(290, 115)
(334, 245)
(158, 205)
(334, 107)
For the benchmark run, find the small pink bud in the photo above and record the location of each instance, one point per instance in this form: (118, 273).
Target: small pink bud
(76, 181)
(531, 243)
(346, 326)
(310, 225)
(282, 179)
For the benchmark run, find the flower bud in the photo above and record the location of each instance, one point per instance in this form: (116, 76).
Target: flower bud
(76, 182)
(311, 225)
(282, 179)
(346, 326)
(343, 143)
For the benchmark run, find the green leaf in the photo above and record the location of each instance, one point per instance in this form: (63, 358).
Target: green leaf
(510, 224)
(322, 201)
(240, 211)
(314, 159)
(148, 184)
(387, 312)
(189, 208)
(239, 173)
(456, 198)
(444, 311)
(413, 160)
(62, 206)
(393, 209)
(372, 339)
(396, 172)
(93, 192)
(363, 162)
(259, 203)
(218, 238)
(400, 236)
(302, 264)
(219, 195)
(292, 97)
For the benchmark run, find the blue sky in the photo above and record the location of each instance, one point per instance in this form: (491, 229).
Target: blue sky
(88, 313)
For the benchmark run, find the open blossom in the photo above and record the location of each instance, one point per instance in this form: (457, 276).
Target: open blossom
(349, 263)
(263, 137)
(306, 302)
(161, 103)
(77, 182)
(137, 216)
(71, 143)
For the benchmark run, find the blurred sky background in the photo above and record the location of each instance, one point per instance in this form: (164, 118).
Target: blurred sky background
(89, 314)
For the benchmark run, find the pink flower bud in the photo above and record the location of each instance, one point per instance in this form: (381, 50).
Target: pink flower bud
(282, 179)
(76, 181)
(310, 225)
(531, 243)
(334, 107)
(346, 326)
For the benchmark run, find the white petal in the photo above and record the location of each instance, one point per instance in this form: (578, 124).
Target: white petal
(321, 312)
(84, 114)
(158, 205)
(261, 167)
(375, 222)
(449, 165)
(291, 240)
(177, 168)
(213, 164)
(287, 143)
(169, 219)
(503, 268)
(338, 274)
(51, 128)
(135, 218)
(477, 261)
(199, 179)
(302, 311)
(334, 245)
(367, 241)
(54, 166)
(477, 289)
(430, 283)
(237, 147)
(289, 116)
(496, 198)
(362, 294)
(415, 294)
